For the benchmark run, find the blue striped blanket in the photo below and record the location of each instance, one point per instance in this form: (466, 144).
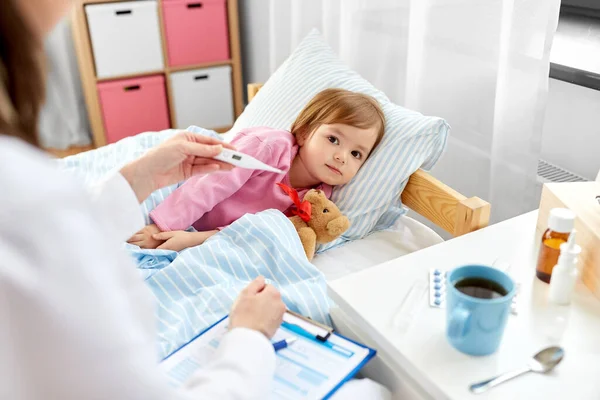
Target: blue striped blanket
(196, 287)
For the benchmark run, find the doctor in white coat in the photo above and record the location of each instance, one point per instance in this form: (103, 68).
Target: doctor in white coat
(76, 321)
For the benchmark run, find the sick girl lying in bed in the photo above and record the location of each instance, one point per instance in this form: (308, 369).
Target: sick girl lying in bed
(327, 144)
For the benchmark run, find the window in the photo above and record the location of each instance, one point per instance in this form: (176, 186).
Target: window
(575, 56)
(590, 8)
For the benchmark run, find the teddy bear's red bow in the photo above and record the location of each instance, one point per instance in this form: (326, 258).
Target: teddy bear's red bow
(303, 208)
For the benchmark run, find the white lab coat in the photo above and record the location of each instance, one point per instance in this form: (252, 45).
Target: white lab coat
(76, 320)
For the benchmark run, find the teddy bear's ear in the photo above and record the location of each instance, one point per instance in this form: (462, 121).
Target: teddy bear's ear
(338, 226)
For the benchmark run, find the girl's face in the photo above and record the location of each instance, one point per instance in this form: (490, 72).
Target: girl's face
(334, 153)
(43, 15)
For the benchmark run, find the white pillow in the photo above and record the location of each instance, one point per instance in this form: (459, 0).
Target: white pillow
(411, 141)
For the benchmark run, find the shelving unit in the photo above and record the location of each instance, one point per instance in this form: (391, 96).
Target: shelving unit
(90, 79)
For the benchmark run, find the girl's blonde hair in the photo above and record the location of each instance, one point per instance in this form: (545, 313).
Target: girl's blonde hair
(340, 106)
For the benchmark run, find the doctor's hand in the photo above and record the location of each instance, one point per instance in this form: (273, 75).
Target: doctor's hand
(258, 307)
(177, 159)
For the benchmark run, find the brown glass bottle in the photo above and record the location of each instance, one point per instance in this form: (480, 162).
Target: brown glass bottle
(561, 222)
(549, 252)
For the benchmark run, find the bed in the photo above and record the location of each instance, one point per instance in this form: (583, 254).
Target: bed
(196, 287)
(425, 195)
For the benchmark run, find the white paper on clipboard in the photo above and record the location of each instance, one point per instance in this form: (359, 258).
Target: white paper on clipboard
(308, 369)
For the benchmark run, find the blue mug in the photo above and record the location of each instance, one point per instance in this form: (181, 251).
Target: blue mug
(475, 325)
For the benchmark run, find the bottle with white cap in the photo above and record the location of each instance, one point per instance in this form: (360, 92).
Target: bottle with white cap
(564, 274)
(560, 223)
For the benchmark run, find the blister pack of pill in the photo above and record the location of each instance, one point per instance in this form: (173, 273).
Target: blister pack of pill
(437, 290)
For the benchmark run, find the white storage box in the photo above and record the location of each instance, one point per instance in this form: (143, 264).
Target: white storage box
(203, 97)
(125, 38)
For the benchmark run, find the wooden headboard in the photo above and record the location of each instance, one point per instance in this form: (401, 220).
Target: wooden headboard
(437, 202)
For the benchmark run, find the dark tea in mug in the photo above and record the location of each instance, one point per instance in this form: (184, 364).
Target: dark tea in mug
(481, 288)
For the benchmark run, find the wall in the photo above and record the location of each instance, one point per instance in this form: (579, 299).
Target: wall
(63, 119)
(254, 35)
(571, 137)
(571, 133)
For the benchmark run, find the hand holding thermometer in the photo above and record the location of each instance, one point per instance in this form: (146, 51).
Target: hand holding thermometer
(242, 160)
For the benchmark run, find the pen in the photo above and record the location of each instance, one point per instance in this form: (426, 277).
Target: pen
(298, 330)
(282, 344)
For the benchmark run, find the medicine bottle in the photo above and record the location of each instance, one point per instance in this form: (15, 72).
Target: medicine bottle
(560, 223)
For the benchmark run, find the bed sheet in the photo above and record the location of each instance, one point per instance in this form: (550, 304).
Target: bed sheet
(406, 236)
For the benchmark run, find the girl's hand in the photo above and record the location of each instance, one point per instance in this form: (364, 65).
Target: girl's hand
(179, 240)
(177, 159)
(144, 237)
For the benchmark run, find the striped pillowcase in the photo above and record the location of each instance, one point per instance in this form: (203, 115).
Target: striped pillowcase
(411, 141)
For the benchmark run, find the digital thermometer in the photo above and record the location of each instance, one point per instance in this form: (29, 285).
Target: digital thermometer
(242, 160)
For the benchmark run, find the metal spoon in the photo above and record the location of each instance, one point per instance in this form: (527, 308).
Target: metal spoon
(542, 362)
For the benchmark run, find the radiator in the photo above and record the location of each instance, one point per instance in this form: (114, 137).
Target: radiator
(548, 172)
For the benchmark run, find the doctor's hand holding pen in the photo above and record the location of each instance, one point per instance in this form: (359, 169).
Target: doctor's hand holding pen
(258, 307)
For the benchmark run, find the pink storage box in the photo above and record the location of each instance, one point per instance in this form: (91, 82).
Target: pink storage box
(196, 31)
(132, 106)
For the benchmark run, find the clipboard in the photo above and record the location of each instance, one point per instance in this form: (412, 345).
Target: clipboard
(315, 366)
(321, 332)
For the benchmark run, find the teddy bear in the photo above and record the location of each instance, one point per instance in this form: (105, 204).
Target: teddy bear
(317, 220)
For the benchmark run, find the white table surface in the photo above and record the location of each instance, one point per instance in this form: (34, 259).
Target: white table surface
(372, 298)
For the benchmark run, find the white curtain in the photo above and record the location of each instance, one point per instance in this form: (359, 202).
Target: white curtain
(481, 64)
(63, 120)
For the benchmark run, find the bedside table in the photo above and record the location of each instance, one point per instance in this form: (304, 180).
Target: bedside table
(415, 359)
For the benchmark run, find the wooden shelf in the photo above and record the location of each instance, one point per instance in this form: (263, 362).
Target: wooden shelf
(86, 2)
(68, 152)
(198, 66)
(89, 80)
(139, 74)
(222, 129)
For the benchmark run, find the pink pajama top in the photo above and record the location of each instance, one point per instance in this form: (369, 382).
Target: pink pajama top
(216, 200)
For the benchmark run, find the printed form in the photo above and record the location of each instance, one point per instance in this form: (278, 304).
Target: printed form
(307, 369)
